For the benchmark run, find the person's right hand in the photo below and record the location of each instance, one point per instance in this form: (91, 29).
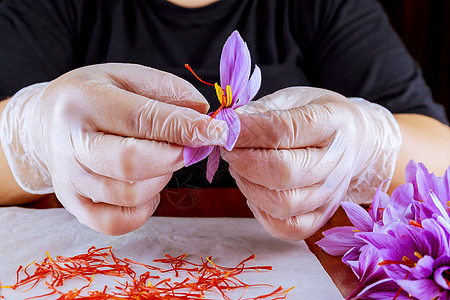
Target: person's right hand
(106, 139)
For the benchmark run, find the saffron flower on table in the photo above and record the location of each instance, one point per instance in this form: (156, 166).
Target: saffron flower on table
(339, 240)
(236, 89)
(405, 252)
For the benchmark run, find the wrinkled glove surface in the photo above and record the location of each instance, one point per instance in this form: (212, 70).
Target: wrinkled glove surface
(302, 151)
(106, 139)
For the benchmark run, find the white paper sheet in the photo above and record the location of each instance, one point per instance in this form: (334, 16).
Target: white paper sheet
(28, 233)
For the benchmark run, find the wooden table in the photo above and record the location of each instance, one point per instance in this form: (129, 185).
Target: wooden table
(229, 202)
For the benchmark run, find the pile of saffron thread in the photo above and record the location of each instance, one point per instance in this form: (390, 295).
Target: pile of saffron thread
(202, 278)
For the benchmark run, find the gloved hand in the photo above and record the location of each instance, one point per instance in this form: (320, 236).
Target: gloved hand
(106, 139)
(301, 151)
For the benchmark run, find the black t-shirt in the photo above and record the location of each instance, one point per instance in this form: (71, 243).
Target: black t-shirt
(347, 46)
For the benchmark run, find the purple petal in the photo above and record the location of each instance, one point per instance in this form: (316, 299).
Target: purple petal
(401, 199)
(438, 205)
(386, 228)
(439, 277)
(213, 163)
(380, 199)
(352, 256)
(441, 264)
(442, 261)
(426, 182)
(368, 265)
(410, 240)
(353, 264)
(339, 240)
(340, 229)
(368, 271)
(444, 224)
(395, 271)
(423, 182)
(423, 268)
(421, 289)
(234, 126)
(378, 240)
(235, 63)
(358, 216)
(444, 185)
(436, 238)
(194, 155)
(410, 177)
(250, 89)
(391, 214)
(430, 207)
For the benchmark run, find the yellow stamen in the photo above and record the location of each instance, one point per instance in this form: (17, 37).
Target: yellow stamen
(356, 230)
(229, 96)
(219, 93)
(408, 261)
(417, 254)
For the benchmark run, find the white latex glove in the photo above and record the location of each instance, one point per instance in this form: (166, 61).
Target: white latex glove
(106, 139)
(301, 151)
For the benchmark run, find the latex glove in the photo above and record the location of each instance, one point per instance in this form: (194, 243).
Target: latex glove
(106, 139)
(301, 151)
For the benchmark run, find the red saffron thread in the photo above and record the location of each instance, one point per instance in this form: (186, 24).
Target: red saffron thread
(204, 277)
(196, 76)
(400, 289)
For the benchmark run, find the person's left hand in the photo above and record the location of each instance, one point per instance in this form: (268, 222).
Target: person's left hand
(301, 151)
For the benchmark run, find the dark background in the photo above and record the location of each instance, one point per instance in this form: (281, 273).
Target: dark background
(424, 26)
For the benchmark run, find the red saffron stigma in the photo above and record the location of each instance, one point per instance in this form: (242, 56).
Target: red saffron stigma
(217, 111)
(196, 76)
(407, 262)
(415, 224)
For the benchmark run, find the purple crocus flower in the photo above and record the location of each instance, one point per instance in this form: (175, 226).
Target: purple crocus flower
(366, 268)
(423, 182)
(406, 253)
(339, 240)
(239, 89)
(431, 193)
